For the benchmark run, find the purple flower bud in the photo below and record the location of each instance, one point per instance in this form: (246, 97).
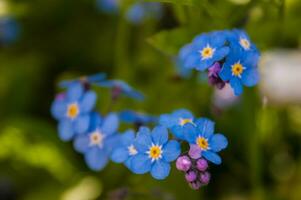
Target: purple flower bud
(202, 164)
(183, 163)
(190, 176)
(213, 77)
(205, 178)
(195, 185)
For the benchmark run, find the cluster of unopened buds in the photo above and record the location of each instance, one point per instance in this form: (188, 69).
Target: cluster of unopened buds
(141, 149)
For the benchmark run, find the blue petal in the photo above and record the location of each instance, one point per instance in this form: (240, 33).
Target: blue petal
(221, 53)
(95, 121)
(81, 143)
(143, 139)
(81, 124)
(171, 151)
(159, 135)
(167, 120)
(236, 86)
(190, 133)
(182, 113)
(218, 142)
(128, 162)
(110, 124)
(212, 157)
(192, 60)
(96, 159)
(205, 64)
(217, 39)
(88, 102)
(119, 155)
(205, 126)
(97, 77)
(225, 74)
(58, 109)
(250, 77)
(141, 164)
(74, 92)
(128, 138)
(65, 129)
(201, 40)
(111, 142)
(160, 170)
(178, 132)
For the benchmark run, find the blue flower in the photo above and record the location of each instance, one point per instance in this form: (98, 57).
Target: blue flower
(130, 116)
(240, 68)
(126, 149)
(85, 79)
(205, 50)
(120, 87)
(72, 109)
(155, 152)
(177, 121)
(240, 39)
(98, 143)
(183, 71)
(204, 142)
(108, 6)
(9, 30)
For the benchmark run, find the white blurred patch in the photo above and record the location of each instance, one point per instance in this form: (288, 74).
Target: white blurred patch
(281, 76)
(225, 97)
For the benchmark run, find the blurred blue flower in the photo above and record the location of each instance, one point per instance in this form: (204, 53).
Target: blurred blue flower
(155, 152)
(97, 144)
(72, 109)
(205, 50)
(177, 121)
(130, 116)
(142, 11)
(126, 150)
(182, 71)
(120, 87)
(240, 68)
(85, 79)
(9, 30)
(240, 39)
(108, 6)
(203, 141)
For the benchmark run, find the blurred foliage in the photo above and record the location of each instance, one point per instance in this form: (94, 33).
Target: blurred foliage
(66, 38)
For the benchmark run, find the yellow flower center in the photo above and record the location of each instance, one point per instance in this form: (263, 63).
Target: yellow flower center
(72, 110)
(207, 52)
(185, 121)
(96, 138)
(132, 150)
(202, 143)
(244, 43)
(155, 152)
(237, 69)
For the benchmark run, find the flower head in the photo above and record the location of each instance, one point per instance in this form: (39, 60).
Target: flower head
(203, 141)
(240, 39)
(177, 121)
(72, 109)
(98, 143)
(155, 152)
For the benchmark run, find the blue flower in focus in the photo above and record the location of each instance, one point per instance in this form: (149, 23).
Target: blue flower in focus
(85, 79)
(205, 50)
(177, 122)
(240, 39)
(120, 87)
(72, 109)
(240, 68)
(203, 141)
(97, 144)
(126, 150)
(140, 12)
(133, 117)
(155, 152)
(108, 6)
(9, 30)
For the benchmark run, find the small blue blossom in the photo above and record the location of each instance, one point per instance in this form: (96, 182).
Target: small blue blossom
(240, 68)
(205, 50)
(177, 121)
(9, 30)
(85, 79)
(155, 152)
(240, 39)
(72, 109)
(126, 150)
(97, 144)
(108, 6)
(120, 87)
(140, 12)
(130, 116)
(203, 141)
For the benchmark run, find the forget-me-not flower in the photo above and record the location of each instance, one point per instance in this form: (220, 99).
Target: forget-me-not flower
(240, 39)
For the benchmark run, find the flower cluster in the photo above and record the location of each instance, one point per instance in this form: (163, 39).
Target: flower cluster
(228, 56)
(152, 151)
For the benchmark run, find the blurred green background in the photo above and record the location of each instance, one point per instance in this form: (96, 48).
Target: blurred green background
(61, 39)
